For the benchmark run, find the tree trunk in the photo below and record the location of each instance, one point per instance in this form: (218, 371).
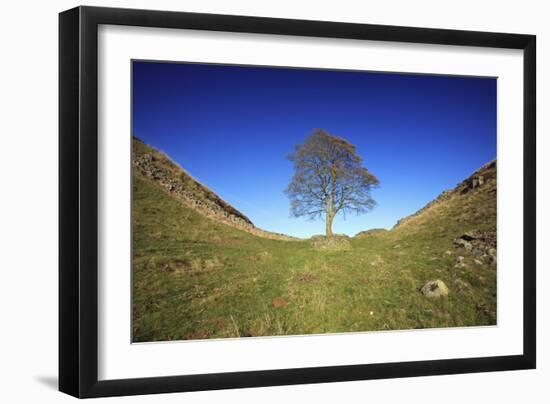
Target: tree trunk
(329, 225)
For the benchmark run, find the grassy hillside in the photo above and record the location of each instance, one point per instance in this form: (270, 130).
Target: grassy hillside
(197, 277)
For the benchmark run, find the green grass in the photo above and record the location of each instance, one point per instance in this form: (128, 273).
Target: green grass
(194, 278)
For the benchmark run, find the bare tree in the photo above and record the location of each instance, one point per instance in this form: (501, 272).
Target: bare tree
(329, 179)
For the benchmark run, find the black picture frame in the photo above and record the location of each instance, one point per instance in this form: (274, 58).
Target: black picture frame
(78, 201)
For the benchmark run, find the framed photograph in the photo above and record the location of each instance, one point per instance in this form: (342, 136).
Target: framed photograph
(250, 201)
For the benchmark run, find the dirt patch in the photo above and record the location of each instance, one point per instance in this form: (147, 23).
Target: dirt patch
(307, 277)
(279, 302)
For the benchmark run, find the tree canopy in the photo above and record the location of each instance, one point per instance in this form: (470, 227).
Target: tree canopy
(329, 179)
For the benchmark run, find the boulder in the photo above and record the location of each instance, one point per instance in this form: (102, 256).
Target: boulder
(435, 288)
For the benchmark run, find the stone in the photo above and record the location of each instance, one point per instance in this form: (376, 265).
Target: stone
(460, 242)
(435, 289)
(477, 181)
(459, 258)
(448, 252)
(478, 262)
(477, 252)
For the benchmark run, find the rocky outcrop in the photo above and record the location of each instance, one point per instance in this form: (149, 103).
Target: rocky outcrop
(176, 181)
(479, 244)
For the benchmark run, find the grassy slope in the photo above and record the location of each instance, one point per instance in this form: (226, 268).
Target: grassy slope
(195, 278)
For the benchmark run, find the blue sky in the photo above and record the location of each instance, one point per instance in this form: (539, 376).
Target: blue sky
(231, 127)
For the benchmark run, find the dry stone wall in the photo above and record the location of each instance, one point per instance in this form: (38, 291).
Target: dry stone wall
(159, 168)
